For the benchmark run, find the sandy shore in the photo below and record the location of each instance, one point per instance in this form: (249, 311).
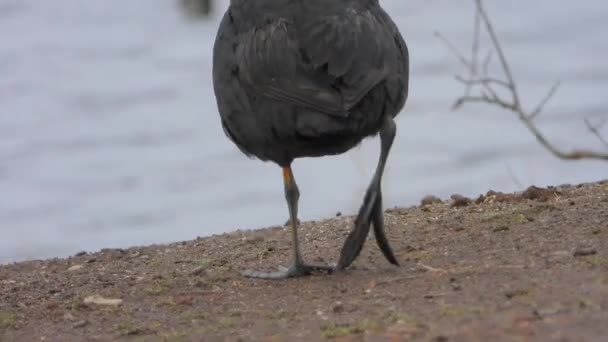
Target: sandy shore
(526, 266)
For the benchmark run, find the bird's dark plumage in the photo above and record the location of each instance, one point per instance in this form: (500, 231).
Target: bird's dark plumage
(307, 78)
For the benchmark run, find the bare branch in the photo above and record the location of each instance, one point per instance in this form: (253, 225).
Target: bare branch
(481, 81)
(498, 48)
(475, 45)
(595, 130)
(474, 54)
(454, 50)
(488, 94)
(545, 100)
(486, 62)
(483, 99)
(513, 177)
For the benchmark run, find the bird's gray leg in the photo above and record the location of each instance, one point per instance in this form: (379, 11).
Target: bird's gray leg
(292, 195)
(298, 267)
(371, 210)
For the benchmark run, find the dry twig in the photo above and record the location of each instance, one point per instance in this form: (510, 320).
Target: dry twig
(490, 87)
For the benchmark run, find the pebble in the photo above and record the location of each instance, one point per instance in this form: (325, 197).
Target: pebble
(99, 300)
(541, 194)
(75, 268)
(460, 201)
(429, 200)
(198, 271)
(584, 252)
(501, 229)
(80, 324)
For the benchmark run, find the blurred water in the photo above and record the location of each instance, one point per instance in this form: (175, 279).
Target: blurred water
(109, 134)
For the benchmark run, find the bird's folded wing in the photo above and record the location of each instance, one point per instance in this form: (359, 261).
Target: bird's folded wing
(328, 63)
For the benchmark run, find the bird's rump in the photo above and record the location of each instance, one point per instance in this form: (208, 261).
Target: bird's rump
(327, 63)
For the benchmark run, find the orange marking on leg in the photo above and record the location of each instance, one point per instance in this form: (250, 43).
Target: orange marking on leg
(287, 175)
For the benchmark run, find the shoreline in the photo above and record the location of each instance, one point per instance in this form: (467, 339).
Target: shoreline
(531, 264)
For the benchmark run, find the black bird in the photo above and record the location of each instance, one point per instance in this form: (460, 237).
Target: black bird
(309, 78)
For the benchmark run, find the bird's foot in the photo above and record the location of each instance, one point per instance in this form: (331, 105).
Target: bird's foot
(371, 213)
(356, 239)
(295, 270)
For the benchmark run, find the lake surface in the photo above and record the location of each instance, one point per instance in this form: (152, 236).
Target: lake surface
(109, 133)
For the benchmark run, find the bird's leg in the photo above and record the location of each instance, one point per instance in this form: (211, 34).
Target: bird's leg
(288, 222)
(292, 195)
(371, 210)
(298, 267)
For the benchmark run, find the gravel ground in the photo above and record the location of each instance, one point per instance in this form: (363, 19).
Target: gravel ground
(524, 266)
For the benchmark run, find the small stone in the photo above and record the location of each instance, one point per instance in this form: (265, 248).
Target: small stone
(458, 227)
(582, 251)
(197, 271)
(99, 300)
(410, 248)
(430, 200)
(81, 253)
(547, 311)
(52, 304)
(338, 307)
(454, 284)
(515, 293)
(535, 193)
(183, 300)
(69, 317)
(459, 201)
(254, 239)
(501, 229)
(338, 214)
(80, 324)
(75, 268)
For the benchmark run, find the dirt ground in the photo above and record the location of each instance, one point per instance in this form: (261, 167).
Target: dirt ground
(503, 267)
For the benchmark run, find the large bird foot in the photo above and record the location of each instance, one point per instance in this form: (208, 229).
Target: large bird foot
(370, 213)
(355, 240)
(297, 269)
